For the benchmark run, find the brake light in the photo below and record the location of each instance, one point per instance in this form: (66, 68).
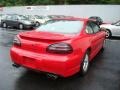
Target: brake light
(16, 41)
(60, 48)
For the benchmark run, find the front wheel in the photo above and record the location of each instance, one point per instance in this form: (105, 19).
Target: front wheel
(37, 24)
(21, 26)
(108, 33)
(85, 64)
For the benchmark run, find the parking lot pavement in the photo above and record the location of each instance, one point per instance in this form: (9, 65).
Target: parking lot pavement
(104, 72)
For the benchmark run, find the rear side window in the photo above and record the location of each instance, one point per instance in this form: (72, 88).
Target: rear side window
(89, 29)
(100, 19)
(95, 27)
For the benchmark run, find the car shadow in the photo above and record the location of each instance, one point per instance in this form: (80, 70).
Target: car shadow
(35, 81)
(31, 80)
(114, 38)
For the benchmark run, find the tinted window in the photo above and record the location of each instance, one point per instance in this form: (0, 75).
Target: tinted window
(89, 28)
(14, 18)
(21, 17)
(62, 26)
(39, 17)
(9, 17)
(95, 27)
(117, 24)
(100, 19)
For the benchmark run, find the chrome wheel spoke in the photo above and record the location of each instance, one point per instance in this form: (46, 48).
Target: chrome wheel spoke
(85, 63)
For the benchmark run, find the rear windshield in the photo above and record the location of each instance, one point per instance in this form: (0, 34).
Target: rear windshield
(62, 26)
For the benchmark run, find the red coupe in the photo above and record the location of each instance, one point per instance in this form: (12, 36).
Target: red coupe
(60, 47)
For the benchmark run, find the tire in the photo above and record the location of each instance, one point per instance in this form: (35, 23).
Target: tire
(85, 64)
(21, 26)
(102, 49)
(108, 33)
(4, 25)
(37, 24)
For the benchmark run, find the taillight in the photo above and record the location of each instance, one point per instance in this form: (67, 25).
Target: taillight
(16, 41)
(60, 48)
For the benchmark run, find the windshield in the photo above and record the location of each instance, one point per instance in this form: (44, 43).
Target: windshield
(23, 17)
(62, 26)
(39, 17)
(116, 22)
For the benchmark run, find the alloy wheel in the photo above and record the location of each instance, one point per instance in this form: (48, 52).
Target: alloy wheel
(85, 63)
(4, 25)
(20, 26)
(37, 24)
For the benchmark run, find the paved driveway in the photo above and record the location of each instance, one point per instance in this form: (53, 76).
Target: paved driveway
(104, 72)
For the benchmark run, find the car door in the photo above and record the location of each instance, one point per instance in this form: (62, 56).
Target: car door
(96, 38)
(92, 39)
(99, 37)
(8, 20)
(14, 21)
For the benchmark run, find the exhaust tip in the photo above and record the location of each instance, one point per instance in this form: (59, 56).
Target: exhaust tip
(16, 65)
(52, 76)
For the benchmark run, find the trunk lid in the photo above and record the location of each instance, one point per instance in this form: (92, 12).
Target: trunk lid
(34, 35)
(39, 41)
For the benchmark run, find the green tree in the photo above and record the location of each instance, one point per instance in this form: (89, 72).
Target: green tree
(57, 2)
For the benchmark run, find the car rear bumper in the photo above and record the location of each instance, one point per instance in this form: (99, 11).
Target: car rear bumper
(59, 65)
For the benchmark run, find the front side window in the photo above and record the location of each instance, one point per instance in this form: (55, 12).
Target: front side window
(62, 26)
(14, 18)
(9, 17)
(89, 29)
(39, 17)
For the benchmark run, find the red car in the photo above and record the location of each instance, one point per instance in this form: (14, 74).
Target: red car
(61, 47)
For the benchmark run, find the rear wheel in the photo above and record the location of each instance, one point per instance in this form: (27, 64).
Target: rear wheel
(4, 25)
(102, 49)
(85, 64)
(37, 24)
(21, 26)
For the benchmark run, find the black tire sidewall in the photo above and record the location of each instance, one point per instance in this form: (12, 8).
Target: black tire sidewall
(22, 26)
(82, 72)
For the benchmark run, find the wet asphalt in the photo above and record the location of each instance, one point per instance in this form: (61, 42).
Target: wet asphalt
(104, 72)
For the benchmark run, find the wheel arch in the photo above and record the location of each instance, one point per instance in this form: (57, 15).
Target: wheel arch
(3, 23)
(107, 29)
(22, 24)
(88, 49)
